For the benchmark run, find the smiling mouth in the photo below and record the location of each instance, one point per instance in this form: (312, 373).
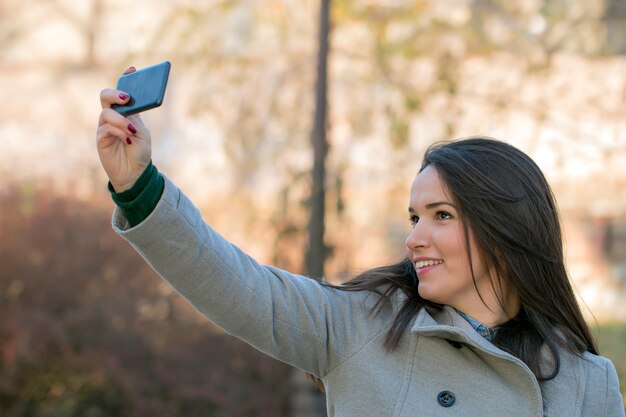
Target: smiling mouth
(424, 264)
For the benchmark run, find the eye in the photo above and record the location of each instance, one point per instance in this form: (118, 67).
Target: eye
(413, 219)
(443, 215)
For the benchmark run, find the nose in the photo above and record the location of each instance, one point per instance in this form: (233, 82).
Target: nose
(418, 238)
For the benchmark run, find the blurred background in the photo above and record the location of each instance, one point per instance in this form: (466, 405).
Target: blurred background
(87, 329)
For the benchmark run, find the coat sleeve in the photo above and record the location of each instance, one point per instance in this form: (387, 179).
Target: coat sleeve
(290, 317)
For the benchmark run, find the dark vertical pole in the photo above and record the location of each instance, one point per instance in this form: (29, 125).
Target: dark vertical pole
(307, 400)
(317, 250)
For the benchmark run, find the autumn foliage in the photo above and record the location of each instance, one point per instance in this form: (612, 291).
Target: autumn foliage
(88, 329)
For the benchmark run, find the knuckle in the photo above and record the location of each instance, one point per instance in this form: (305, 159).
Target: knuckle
(105, 93)
(106, 130)
(111, 116)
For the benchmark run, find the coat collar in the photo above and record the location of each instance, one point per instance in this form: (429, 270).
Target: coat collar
(448, 324)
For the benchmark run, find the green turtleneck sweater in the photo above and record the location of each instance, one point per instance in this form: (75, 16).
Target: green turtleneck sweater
(138, 202)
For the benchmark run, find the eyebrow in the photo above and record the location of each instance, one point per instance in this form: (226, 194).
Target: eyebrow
(430, 206)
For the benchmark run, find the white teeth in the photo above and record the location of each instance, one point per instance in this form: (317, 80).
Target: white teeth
(422, 264)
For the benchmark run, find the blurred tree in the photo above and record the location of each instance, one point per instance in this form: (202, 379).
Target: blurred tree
(86, 329)
(88, 26)
(20, 20)
(615, 19)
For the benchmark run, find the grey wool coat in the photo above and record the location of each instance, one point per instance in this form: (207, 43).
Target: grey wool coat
(442, 367)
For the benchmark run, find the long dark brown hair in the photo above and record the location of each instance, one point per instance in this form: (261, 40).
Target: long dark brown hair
(505, 201)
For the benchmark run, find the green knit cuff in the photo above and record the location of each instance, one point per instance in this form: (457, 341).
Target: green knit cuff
(140, 200)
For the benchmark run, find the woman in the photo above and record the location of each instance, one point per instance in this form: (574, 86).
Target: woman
(478, 320)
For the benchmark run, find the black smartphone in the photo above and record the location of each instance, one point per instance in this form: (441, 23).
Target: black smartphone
(146, 88)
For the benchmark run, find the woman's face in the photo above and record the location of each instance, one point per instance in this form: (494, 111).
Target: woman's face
(437, 247)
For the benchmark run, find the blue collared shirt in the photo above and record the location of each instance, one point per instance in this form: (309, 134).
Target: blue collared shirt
(485, 331)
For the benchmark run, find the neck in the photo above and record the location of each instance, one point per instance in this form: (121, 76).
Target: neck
(490, 312)
(488, 318)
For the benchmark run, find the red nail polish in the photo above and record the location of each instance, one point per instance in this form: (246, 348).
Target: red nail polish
(130, 142)
(123, 96)
(132, 129)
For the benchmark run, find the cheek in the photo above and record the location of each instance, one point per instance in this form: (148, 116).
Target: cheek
(454, 250)
(478, 265)
(452, 246)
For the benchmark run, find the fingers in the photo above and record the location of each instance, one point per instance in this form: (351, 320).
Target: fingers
(114, 124)
(111, 131)
(137, 122)
(110, 96)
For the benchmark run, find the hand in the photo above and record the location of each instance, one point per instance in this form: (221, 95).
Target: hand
(123, 143)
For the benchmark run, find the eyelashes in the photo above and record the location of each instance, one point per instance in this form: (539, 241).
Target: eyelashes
(443, 215)
(439, 215)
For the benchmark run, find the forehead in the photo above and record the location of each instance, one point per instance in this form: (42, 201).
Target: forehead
(427, 188)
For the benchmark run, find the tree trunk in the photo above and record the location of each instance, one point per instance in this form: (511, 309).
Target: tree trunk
(317, 250)
(307, 400)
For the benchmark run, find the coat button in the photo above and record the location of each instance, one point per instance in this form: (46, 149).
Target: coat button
(446, 399)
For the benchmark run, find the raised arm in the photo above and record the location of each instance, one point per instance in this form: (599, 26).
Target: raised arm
(290, 317)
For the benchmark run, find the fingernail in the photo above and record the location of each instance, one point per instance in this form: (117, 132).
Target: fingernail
(132, 129)
(130, 142)
(123, 96)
